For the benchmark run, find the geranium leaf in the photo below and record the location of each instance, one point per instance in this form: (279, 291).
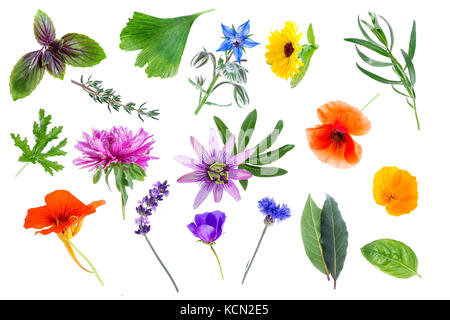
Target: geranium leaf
(43, 27)
(81, 51)
(26, 75)
(392, 257)
(310, 229)
(162, 42)
(334, 237)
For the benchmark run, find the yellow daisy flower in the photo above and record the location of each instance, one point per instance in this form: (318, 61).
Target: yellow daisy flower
(283, 49)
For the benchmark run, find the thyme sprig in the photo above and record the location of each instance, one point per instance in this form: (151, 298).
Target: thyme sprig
(109, 97)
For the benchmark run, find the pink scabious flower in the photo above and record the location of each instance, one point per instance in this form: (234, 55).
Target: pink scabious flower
(215, 170)
(117, 145)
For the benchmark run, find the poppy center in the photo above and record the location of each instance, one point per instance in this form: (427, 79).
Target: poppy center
(288, 49)
(338, 136)
(218, 173)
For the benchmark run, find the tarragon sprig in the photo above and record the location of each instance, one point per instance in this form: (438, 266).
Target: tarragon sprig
(109, 97)
(42, 138)
(383, 47)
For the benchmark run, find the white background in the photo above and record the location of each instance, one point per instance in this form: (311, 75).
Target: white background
(39, 266)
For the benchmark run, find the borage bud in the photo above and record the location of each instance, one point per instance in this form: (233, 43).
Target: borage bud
(200, 59)
(240, 96)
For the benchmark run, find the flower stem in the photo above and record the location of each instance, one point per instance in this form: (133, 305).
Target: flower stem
(90, 264)
(370, 101)
(123, 207)
(26, 164)
(247, 268)
(220, 267)
(162, 264)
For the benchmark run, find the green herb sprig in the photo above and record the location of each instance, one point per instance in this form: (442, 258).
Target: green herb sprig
(257, 162)
(233, 73)
(381, 46)
(109, 97)
(42, 138)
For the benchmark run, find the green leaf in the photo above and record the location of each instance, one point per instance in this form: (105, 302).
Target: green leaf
(224, 132)
(412, 42)
(310, 35)
(369, 45)
(370, 61)
(97, 176)
(271, 156)
(263, 172)
(391, 32)
(244, 184)
(79, 50)
(44, 30)
(334, 238)
(376, 77)
(270, 139)
(161, 41)
(246, 131)
(305, 55)
(42, 138)
(310, 230)
(392, 257)
(364, 32)
(410, 66)
(26, 75)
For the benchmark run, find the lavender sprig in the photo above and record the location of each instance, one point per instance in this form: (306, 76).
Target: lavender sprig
(146, 207)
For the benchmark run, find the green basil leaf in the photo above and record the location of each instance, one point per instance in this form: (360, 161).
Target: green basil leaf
(26, 75)
(334, 237)
(310, 230)
(81, 51)
(246, 132)
(263, 172)
(44, 30)
(392, 257)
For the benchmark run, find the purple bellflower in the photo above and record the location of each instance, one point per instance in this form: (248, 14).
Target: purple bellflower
(208, 228)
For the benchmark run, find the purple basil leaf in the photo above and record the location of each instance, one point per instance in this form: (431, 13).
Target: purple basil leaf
(54, 63)
(81, 51)
(26, 75)
(43, 27)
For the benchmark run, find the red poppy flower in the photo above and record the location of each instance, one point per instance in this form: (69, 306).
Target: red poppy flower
(332, 141)
(63, 214)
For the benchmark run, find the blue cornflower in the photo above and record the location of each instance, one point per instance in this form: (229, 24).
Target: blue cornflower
(237, 40)
(273, 211)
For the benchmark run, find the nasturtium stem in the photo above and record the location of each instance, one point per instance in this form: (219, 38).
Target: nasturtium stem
(162, 264)
(253, 258)
(370, 101)
(90, 264)
(220, 267)
(26, 164)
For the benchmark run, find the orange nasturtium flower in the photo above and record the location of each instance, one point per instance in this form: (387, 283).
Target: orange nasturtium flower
(396, 190)
(63, 214)
(332, 141)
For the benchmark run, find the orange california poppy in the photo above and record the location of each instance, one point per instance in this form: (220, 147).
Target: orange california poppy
(331, 141)
(63, 214)
(396, 190)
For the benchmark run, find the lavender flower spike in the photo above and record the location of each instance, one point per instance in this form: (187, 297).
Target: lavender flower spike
(215, 170)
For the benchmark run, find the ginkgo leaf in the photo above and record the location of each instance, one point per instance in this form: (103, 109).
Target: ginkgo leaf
(161, 41)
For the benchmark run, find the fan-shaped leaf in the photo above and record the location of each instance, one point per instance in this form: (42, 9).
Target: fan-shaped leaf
(162, 42)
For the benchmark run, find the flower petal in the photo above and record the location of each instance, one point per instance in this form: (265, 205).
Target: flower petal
(213, 145)
(205, 190)
(249, 43)
(231, 188)
(237, 51)
(244, 29)
(201, 152)
(225, 46)
(206, 233)
(228, 148)
(241, 157)
(239, 174)
(353, 151)
(228, 32)
(217, 192)
(195, 176)
(188, 162)
(319, 137)
(193, 228)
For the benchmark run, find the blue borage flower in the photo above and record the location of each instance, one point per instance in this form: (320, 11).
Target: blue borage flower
(273, 211)
(237, 39)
